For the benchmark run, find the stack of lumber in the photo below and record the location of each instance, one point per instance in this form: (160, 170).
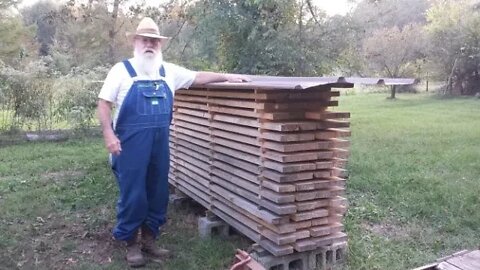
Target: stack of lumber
(268, 157)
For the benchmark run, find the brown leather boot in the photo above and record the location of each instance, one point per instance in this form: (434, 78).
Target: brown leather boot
(134, 254)
(149, 246)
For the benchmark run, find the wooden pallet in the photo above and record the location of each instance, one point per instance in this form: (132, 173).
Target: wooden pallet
(463, 260)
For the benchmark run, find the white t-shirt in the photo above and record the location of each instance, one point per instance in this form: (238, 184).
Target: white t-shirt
(118, 81)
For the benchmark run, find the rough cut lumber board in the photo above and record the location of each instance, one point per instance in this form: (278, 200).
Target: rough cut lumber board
(253, 132)
(237, 146)
(194, 166)
(312, 205)
(193, 134)
(198, 155)
(332, 133)
(236, 224)
(233, 111)
(274, 249)
(283, 209)
(191, 126)
(323, 115)
(247, 205)
(234, 173)
(192, 119)
(294, 106)
(235, 137)
(297, 146)
(179, 104)
(237, 154)
(182, 138)
(192, 112)
(262, 225)
(279, 188)
(252, 168)
(238, 187)
(285, 178)
(292, 167)
(289, 137)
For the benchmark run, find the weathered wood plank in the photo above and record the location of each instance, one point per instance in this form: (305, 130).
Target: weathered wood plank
(447, 266)
(326, 115)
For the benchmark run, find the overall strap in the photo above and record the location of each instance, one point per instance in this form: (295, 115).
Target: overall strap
(162, 71)
(129, 68)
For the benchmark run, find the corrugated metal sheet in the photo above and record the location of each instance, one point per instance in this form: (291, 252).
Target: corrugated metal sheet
(298, 83)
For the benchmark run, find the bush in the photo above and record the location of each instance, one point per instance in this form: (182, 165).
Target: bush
(25, 96)
(76, 97)
(32, 99)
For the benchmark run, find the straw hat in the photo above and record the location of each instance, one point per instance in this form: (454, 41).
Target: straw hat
(147, 28)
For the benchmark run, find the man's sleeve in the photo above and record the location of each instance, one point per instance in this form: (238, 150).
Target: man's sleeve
(111, 85)
(183, 78)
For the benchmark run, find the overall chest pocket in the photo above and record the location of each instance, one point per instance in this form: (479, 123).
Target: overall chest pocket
(152, 100)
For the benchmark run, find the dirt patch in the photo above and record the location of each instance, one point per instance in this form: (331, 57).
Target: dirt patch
(387, 230)
(62, 242)
(61, 176)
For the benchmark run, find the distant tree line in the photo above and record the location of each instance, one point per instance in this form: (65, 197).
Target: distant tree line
(75, 42)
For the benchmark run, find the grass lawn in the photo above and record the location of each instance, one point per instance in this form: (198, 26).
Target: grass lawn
(413, 193)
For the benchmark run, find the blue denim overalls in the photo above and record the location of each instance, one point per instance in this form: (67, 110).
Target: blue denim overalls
(142, 167)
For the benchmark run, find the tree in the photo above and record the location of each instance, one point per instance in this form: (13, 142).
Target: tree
(17, 42)
(391, 51)
(454, 31)
(42, 14)
(85, 34)
(249, 36)
(5, 4)
(372, 15)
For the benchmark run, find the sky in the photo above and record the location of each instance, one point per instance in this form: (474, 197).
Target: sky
(332, 7)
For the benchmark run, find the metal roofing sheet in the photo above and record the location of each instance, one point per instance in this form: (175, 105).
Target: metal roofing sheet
(298, 83)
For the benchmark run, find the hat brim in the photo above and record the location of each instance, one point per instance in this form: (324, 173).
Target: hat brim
(132, 35)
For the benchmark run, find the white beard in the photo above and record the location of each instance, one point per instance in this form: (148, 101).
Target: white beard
(148, 63)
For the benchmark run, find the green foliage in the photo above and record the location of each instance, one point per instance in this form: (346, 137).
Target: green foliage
(17, 41)
(5, 4)
(42, 14)
(262, 37)
(76, 97)
(389, 51)
(82, 37)
(27, 94)
(454, 33)
(372, 15)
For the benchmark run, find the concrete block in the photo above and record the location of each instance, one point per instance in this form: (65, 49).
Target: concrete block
(323, 258)
(209, 225)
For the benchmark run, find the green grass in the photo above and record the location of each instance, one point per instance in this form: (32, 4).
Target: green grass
(58, 208)
(413, 194)
(413, 186)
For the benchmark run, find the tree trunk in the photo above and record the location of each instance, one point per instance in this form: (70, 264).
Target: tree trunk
(393, 91)
(301, 34)
(113, 31)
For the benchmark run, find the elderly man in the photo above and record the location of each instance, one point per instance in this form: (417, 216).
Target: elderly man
(141, 89)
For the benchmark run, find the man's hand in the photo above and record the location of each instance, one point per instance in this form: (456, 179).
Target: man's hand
(212, 77)
(235, 78)
(112, 143)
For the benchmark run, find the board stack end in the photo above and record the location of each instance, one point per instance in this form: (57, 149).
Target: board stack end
(268, 157)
